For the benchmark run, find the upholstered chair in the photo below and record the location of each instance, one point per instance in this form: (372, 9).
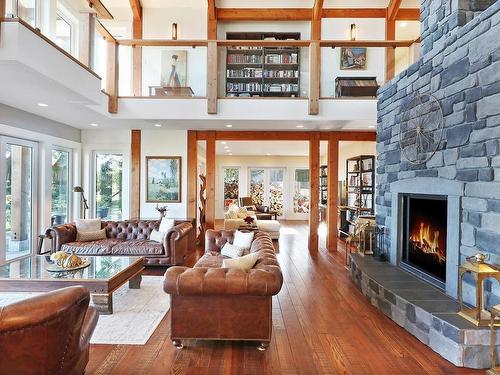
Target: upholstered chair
(47, 334)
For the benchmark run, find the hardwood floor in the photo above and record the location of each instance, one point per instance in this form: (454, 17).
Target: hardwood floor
(321, 325)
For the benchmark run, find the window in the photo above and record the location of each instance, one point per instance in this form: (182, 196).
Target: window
(26, 10)
(231, 186)
(301, 194)
(64, 32)
(267, 188)
(18, 197)
(257, 186)
(60, 186)
(109, 186)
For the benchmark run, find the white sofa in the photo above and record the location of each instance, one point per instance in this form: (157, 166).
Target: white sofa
(234, 218)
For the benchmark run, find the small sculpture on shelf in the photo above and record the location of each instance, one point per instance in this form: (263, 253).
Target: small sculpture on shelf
(162, 210)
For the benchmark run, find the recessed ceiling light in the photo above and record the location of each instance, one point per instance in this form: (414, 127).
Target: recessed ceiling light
(42, 105)
(226, 147)
(300, 126)
(371, 126)
(403, 24)
(268, 154)
(229, 126)
(228, 150)
(230, 153)
(223, 142)
(158, 125)
(94, 124)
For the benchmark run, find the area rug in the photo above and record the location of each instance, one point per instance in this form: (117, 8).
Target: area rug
(136, 312)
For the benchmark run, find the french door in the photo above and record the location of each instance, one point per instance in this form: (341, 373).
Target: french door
(18, 204)
(267, 188)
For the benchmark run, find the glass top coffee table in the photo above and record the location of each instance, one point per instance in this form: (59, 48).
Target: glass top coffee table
(102, 277)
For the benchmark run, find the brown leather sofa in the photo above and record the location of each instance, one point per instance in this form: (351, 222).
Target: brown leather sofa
(214, 303)
(130, 238)
(47, 334)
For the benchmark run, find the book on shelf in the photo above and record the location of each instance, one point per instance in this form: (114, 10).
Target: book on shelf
(245, 73)
(282, 58)
(244, 59)
(284, 87)
(244, 86)
(281, 73)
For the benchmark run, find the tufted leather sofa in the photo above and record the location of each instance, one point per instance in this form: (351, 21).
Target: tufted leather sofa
(47, 334)
(130, 238)
(211, 302)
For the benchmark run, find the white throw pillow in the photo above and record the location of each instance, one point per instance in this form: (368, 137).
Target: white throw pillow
(244, 263)
(88, 225)
(231, 251)
(166, 225)
(243, 239)
(157, 236)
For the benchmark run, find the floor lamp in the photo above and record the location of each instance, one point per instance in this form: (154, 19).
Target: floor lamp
(79, 189)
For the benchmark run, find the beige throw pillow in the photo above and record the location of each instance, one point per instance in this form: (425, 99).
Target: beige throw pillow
(91, 236)
(244, 263)
(88, 225)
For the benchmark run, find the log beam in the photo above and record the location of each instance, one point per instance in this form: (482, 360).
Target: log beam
(332, 207)
(313, 191)
(136, 50)
(112, 76)
(210, 165)
(192, 178)
(392, 9)
(135, 174)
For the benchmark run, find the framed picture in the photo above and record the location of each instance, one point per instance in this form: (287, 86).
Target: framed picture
(173, 68)
(163, 179)
(352, 58)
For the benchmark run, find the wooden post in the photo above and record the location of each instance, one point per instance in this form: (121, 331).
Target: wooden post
(135, 174)
(192, 177)
(210, 156)
(211, 20)
(315, 58)
(86, 33)
(112, 76)
(212, 78)
(333, 179)
(3, 8)
(136, 50)
(390, 52)
(313, 191)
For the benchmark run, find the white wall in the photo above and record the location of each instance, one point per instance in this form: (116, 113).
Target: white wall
(191, 23)
(290, 163)
(348, 149)
(164, 143)
(339, 28)
(405, 30)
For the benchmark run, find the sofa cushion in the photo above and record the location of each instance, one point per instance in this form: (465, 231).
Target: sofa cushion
(210, 261)
(244, 263)
(138, 247)
(100, 247)
(91, 236)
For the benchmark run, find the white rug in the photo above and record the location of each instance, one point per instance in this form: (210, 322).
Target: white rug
(136, 312)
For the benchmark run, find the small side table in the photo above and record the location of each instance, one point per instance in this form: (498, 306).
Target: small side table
(494, 314)
(248, 228)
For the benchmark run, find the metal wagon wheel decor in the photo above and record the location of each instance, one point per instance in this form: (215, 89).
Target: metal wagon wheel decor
(421, 128)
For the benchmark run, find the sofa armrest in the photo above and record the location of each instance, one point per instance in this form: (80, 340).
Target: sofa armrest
(202, 281)
(177, 242)
(88, 327)
(61, 234)
(216, 239)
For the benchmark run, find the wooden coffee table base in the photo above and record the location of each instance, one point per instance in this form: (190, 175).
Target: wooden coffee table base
(103, 302)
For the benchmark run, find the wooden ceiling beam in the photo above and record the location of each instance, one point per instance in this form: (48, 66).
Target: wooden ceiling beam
(136, 9)
(392, 9)
(104, 32)
(101, 10)
(408, 14)
(354, 13)
(263, 14)
(211, 20)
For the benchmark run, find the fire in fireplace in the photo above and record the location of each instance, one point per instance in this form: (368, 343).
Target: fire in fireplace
(424, 237)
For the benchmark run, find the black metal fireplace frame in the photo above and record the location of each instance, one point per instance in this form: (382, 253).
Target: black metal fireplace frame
(404, 233)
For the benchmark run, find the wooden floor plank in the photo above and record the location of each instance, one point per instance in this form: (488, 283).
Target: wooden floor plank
(322, 324)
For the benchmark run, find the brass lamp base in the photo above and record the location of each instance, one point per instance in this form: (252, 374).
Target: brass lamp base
(484, 320)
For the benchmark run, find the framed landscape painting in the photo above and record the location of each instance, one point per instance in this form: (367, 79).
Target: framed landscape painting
(163, 179)
(352, 58)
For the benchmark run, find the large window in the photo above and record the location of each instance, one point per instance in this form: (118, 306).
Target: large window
(231, 185)
(17, 208)
(60, 186)
(267, 188)
(64, 32)
(301, 194)
(109, 186)
(257, 186)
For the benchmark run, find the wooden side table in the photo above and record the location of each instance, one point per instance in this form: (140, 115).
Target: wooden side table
(494, 314)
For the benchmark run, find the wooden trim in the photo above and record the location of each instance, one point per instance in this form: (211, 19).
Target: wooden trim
(101, 10)
(137, 55)
(390, 53)
(408, 14)
(354, 13)
(86, 31)
(389, 42)
(263, 14)
(210, 164)
(392, 9)
(136, 7)
(104, 32)
(212, 73)
(313, 191)
(135, 174)
(162, 43)
(332, 206)
(112, 69)
(211, 20)
(47, 40)
(248, 135)
(3, 8)
(192, 174)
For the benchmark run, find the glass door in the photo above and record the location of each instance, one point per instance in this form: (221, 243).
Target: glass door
(267, 188)
(109, 184)
(17, 198)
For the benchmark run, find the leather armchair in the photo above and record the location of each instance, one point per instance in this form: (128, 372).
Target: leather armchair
(47, 334)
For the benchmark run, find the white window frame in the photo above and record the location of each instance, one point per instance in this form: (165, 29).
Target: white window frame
(4, 140)
(70, 180)
(267, 182)
(63, 12)
(222, 183)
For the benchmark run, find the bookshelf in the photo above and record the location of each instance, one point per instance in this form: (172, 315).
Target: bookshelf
(323, 184)
(360, 190)
(262, 71)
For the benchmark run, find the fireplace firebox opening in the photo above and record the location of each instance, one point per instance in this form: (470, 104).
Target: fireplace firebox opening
(423, 250)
